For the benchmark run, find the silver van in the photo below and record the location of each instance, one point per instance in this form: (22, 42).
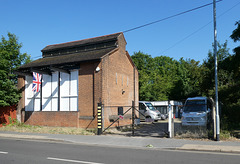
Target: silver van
(149, 111)
(196, 111)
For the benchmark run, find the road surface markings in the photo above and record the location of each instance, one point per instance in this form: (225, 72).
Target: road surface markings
(3, 152)
(74, 161)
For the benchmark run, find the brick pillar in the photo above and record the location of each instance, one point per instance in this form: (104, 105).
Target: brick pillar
(21, 103)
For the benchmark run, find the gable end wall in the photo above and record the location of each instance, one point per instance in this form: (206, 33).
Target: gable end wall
(118, 86)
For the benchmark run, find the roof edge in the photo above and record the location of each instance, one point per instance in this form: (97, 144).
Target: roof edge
(111, 52)
(79, 41)
(131, 61)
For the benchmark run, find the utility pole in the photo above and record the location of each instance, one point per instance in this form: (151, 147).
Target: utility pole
(216, 77)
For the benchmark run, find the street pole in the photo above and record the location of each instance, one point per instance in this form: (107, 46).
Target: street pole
(133, 116)
(216, 77)
(169, 119)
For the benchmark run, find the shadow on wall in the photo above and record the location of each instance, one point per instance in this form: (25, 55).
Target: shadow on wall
(5, 113)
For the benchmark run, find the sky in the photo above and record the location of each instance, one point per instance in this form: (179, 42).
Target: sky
(45, 22)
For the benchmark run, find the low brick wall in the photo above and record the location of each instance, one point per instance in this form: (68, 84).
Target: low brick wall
(5, 113)
(58, 119)
(87, 122)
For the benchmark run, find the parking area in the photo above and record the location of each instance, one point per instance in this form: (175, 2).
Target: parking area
(160, 129)
(156, 129)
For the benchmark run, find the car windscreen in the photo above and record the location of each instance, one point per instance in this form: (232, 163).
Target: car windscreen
(150, 106)
(162, 109)
(195, 106)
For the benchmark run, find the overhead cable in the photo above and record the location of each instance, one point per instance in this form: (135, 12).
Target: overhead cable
(200, 28)
(160, 20)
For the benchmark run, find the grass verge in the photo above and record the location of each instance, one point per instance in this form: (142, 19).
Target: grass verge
(24, 128)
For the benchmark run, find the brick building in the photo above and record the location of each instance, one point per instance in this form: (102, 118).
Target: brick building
(75, 77)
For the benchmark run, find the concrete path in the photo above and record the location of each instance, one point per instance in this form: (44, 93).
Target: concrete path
(132, 142)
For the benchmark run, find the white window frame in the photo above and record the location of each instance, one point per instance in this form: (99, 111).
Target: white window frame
(50, 88)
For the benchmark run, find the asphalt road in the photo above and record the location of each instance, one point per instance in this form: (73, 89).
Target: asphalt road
(37, 152)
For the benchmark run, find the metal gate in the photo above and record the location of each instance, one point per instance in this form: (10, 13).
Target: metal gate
(172, 127)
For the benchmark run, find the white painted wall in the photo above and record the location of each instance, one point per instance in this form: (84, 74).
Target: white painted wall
(68, 93)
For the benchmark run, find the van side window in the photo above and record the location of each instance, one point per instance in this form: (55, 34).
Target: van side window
(142, 106)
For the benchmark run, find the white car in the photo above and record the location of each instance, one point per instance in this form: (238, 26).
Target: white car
(148, 111)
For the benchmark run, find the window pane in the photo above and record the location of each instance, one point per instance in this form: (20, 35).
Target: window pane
(28, 94)
(74, 91)
(46, 93)
(64, 91)
(55, 91)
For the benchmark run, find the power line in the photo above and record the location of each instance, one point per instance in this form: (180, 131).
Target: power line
(200, 28)
(187, 36)
(36, 57)
(160, 20)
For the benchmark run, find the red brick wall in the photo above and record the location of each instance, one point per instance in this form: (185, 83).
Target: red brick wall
(87, 122)
(113, 85)
(21, 103)
(5, 113)
(64, 119)
(118, 84)
(89, 94)
(85, 89)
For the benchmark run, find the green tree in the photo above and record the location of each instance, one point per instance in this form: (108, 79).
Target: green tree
(157, 76)
(145, 65)
(166, 73)
(228, 82)
(236, 33)
(230, 93)
(163, 78)
(236, 57)
(10, 60)
(223, 56)
(188, 79)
